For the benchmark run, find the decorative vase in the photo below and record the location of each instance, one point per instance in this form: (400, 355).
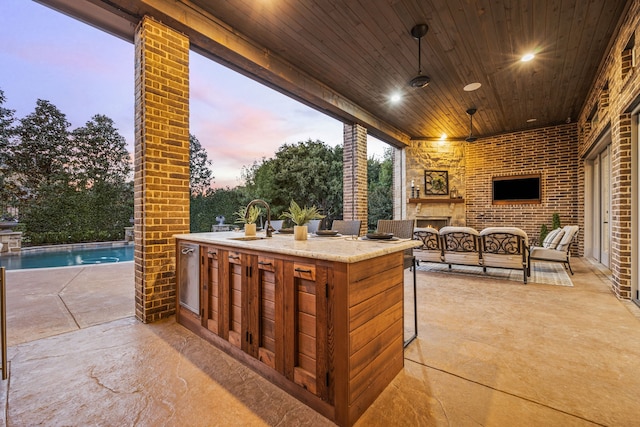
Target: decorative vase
(300, 232)
(250, 229)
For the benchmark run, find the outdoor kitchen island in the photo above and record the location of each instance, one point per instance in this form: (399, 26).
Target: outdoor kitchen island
(322, 318)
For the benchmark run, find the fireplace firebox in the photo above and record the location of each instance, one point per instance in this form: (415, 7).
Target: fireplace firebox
(436, 222)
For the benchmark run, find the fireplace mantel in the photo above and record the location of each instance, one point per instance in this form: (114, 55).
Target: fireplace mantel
(436, 200)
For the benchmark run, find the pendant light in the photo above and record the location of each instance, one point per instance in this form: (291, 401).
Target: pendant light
(471, 112)
(420, 80)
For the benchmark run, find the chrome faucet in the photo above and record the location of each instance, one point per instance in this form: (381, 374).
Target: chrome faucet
(269, 229)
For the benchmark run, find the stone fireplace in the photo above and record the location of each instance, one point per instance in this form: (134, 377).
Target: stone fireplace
(436, 210)
(437, 213)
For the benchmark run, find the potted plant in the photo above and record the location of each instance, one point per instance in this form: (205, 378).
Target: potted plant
(248, 218)
(301, 216)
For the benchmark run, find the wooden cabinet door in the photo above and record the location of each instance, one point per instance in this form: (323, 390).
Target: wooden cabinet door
(211, 290)
(306, 332)
(232, 291)
(268, 332)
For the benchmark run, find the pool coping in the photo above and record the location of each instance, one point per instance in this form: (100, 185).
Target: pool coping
(71, 246)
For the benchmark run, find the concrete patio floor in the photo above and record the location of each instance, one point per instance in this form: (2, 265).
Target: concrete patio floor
(489, 352)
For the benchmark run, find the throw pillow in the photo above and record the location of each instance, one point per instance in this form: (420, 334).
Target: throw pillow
(550, 238)
(556, 240)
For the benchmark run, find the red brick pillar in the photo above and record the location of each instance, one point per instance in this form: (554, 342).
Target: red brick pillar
(354, 175)
(620, 215)
(161, 201)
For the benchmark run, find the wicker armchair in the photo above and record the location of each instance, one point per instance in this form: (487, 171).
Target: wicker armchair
(346, 227)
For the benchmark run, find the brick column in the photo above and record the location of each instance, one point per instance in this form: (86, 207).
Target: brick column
(161, 201)
(620, 215)
(400, 194)
(354, 175)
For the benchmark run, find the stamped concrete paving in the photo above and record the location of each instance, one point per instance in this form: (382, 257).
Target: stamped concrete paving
(489, 352)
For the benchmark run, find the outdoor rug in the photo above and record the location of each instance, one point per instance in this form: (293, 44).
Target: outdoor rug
(547, 273)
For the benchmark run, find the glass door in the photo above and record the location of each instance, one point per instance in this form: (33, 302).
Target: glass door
(597, 231)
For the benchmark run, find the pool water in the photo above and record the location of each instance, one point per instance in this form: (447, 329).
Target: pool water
(66, 257)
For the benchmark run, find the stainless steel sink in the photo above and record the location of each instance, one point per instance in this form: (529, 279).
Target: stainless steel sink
(245, 238)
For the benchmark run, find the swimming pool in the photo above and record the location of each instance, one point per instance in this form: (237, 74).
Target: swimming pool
(67, 256)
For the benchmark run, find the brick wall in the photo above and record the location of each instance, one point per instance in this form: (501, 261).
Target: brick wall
(550, 152)
(161, 164)
(614, 95)
(354, 174)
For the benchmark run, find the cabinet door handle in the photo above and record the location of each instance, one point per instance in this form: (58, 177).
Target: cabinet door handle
(302, 270)
(214, 255)
(264, 263)
(234, 257)
(186, 251)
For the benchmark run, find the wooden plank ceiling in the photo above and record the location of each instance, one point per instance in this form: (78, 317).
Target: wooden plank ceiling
(364, 51)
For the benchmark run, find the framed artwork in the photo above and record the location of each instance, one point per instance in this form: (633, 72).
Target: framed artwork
(436, 183)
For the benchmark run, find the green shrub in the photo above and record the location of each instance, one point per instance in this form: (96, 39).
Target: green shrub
(77, 236)
(543, 233)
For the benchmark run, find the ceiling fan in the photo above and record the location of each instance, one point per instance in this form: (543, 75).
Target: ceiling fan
(420, 80)
(471, 138)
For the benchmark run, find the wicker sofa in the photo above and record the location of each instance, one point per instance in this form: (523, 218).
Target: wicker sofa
(496, 247)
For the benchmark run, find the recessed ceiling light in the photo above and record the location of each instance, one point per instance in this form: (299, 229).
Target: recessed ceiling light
(527, 57)
(531, 120)
(395, 98)
(472, 86)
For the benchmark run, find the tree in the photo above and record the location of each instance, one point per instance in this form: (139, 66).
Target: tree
(102, 168)
(380, 187)
(100, 153)
(7, 119)
(200, 174)
(42, 153)
(69, 187)
(205, 208)
(308, 172)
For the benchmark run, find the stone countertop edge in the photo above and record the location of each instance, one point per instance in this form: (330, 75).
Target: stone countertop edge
(340, 249)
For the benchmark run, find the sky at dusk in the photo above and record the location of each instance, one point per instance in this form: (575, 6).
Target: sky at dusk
(84, 71)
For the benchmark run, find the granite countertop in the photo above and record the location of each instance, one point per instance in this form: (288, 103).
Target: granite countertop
(338, 248)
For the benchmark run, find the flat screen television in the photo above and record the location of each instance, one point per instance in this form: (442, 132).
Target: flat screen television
(516, 189)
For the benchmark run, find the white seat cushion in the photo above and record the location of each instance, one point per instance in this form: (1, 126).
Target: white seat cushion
(451, 229)
(548, 254)
(507, 230)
